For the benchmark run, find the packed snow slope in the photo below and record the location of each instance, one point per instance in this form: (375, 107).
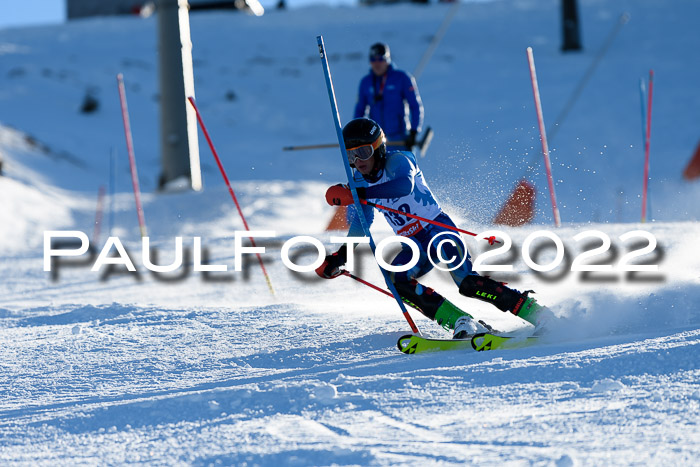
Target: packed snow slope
(198, 368)
(260, 87)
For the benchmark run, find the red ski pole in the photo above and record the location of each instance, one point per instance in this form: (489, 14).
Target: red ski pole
(491, 240)
(413, 326)
(230, 190)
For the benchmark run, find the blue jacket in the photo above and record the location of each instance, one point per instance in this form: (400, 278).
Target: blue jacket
(386, 97)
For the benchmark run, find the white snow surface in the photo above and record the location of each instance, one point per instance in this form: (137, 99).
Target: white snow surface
(188, 368)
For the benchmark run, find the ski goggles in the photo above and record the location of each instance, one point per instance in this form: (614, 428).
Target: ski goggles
(377, 58)
(363, 152)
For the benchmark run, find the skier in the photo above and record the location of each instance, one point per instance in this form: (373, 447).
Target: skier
(384, 95)
(394, 180)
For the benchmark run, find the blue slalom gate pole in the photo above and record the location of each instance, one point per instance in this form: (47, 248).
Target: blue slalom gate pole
(351, 181)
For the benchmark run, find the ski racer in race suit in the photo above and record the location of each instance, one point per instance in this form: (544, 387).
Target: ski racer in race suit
(394, 180)
(384, 96)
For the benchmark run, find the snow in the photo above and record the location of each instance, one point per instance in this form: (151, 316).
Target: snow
(199, 368)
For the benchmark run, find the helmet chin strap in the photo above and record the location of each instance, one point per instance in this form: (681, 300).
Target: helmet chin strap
(376, 172)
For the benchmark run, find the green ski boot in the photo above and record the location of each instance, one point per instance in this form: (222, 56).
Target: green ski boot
(529, 310)
(535, 314)
(447, 315)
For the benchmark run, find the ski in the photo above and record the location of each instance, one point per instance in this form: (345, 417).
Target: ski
(410, 344)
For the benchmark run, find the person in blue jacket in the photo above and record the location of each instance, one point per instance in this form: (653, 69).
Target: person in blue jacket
(385, 94)
(394, 180)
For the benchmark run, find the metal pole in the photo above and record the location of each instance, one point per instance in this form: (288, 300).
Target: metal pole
(178, 123)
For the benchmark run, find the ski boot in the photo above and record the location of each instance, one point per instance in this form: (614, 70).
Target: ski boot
(448, 314)
(502, 297)
(430, 303)
(466, 327)
(462, 323)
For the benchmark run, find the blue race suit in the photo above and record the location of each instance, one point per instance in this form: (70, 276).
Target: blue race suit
(387, 98)
(400, 185)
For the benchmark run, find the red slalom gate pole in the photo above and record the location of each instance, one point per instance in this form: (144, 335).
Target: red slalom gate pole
(413, 326)
(543, 136)
(132, 158)
(230, 189)
(647, 140)
(491, 240)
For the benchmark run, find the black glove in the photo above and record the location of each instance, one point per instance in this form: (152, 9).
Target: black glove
(330, 269)
(411, 139)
